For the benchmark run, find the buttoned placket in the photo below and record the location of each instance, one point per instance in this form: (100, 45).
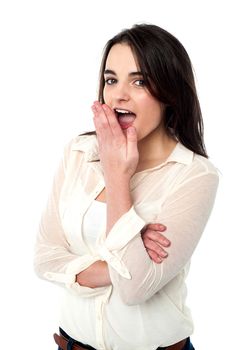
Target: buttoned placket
(102, 299)
(100, 302)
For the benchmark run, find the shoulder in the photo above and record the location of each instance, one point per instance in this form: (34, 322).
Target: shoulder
(203, 166)
(200, 173)
(193, 168)
(191, 165)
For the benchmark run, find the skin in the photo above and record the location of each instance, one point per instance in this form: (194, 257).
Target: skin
(123, 152)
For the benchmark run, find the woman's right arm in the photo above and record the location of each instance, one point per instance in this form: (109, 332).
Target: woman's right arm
(53, 259)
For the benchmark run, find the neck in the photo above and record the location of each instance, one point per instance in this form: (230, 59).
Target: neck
(155, 148)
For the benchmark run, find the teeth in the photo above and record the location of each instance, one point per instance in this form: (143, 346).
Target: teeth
(122, 111)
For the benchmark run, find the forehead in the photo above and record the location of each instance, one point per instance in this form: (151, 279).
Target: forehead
(121, 57)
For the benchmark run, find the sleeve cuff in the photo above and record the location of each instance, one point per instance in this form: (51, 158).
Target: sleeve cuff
(72, 269)
(124, 230)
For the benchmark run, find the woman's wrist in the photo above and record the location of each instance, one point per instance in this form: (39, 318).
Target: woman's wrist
(119, 201)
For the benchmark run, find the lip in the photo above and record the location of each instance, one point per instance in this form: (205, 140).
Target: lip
(125, 126)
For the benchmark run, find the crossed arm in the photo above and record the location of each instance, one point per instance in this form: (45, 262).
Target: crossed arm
(97, 275)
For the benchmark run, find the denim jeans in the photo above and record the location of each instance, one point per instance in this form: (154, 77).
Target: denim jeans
(188, 345)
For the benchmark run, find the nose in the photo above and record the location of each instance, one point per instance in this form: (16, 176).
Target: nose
(121, 92)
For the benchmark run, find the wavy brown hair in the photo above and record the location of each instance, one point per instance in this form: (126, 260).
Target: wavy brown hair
(168, 75)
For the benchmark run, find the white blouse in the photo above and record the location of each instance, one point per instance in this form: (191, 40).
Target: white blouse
(145, 307)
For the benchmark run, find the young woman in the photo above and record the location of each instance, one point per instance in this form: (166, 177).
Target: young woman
(146, 164)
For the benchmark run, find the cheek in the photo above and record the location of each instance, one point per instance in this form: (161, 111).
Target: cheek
(151, 113)
(150, 119)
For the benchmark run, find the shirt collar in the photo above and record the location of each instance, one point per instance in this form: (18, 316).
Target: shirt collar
(181, 154)
(89, 145)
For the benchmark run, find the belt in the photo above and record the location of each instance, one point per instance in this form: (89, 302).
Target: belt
(62, 342)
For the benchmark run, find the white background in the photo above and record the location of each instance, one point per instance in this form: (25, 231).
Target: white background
(49, 62)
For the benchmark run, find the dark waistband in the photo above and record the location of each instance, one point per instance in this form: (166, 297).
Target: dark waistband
(65, 335)
(178, 346)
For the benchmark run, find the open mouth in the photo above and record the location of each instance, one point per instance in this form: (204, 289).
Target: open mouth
(125, 117)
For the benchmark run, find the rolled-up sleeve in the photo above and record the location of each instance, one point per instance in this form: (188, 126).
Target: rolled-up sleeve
(124, 230)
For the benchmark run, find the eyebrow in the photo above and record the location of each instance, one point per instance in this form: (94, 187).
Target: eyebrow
(131, 74)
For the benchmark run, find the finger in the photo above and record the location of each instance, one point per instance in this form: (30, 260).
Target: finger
(157, 227)
(98, 111)
(100, 121)
(157, 237)
(154, 256)
(149, 244)
(132, 148)
(113, 122)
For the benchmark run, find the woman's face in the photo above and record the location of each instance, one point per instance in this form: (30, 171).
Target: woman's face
(125, 92)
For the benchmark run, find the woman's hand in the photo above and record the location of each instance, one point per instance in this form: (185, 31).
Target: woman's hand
(96, 275)
(118, 152)
(154, 242)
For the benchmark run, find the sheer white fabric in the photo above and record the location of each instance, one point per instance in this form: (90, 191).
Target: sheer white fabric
(145, 306)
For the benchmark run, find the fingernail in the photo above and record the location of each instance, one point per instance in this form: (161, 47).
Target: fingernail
(131, 131)
(96, 104)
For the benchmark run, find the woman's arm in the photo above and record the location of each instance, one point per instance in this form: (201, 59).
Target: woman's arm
(185, 214)
(119, 158)
(118, 202)
(97, 275)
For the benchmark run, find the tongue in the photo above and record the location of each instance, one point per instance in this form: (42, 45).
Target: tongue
(126, 118)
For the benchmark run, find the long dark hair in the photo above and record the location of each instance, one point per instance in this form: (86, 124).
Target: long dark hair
(168, 74)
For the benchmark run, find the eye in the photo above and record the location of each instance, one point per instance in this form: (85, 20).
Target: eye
(140, 82)
(110, 81)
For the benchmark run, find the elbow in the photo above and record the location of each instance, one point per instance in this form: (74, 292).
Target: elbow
(38, 267)
(37, 270)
